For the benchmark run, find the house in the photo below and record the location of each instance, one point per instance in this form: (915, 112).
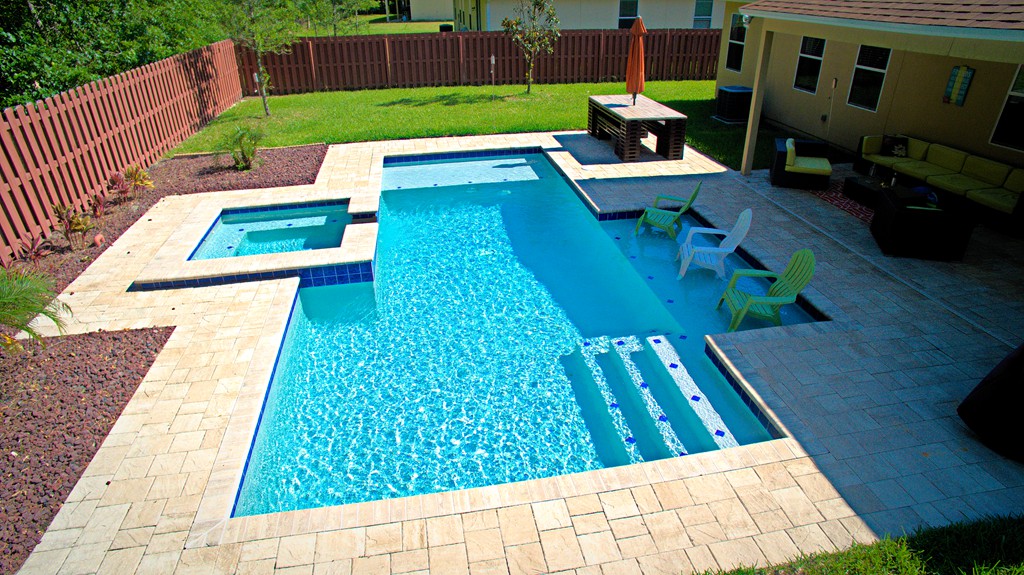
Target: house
(430, 10)
(840, 69)
(597, 14)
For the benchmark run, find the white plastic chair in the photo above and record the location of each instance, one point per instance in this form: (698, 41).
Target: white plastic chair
(713, 258)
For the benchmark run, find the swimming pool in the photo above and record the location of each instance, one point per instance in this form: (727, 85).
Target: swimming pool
(274, 229)
(507, 336)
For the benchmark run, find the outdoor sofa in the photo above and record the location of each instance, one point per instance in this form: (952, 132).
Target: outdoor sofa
(992, 188)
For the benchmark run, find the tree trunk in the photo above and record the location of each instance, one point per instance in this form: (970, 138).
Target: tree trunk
(261, 83)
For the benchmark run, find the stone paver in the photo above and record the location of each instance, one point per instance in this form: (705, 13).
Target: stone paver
(867, 399)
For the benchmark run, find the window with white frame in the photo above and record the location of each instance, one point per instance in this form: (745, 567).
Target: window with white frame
(628, 11)
(808, 64)
(868, 77)
(737, 39)
(1008, 130)
(702, 13)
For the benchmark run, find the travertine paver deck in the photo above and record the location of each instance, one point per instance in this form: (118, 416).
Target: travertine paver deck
(868, 399)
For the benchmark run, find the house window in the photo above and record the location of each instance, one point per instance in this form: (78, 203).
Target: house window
(1008, 132)
(628, 11)
(808, 65)
(737, 38)
(868, 77)
(702, 13)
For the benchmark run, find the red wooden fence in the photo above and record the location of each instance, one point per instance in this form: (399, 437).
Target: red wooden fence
(464, 58)
(62, 149)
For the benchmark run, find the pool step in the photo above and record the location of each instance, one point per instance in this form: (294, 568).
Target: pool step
(590, 350)
(624, 347)
(700, 404)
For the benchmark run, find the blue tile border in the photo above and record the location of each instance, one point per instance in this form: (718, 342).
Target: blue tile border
(308, 277)
(752, 405)
(278, 207)
(408, 159)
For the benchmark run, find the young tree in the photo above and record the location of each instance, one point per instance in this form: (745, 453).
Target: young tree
(534, 29)
(265, 27)
(341, 15)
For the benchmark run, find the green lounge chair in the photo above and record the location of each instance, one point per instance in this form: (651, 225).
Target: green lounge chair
(784, 289)
(666, 219)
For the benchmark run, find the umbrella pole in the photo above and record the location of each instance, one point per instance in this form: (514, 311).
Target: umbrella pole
(634, 99)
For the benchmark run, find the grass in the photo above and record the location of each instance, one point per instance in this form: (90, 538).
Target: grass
(367, 115)
(991, 546)
(378, 24)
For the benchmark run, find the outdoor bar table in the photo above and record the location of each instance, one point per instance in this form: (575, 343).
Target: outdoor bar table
(617, 116)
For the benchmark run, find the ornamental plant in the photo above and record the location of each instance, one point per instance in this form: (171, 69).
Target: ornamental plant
(73, 225)
(244, 144)
(137, 180)
(25, 294)
(34, 249)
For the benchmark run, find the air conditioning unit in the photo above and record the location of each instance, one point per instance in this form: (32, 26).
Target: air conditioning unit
(733, 104)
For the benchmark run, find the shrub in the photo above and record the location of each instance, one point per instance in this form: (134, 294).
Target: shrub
(73, 224)
(117, 184)
(35, 248)
(243, 145)
(137, 180)
(23, 296)
(98, 202)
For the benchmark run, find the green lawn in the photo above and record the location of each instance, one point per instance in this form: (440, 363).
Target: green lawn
(993, 546)
(336, 117)
(378, 24)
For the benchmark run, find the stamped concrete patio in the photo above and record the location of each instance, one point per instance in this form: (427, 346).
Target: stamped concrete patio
(868, 401)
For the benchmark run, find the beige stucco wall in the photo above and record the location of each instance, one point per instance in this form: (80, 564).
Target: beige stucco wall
(431, 9)
(745, 77)
(593, 14)
(910, 103)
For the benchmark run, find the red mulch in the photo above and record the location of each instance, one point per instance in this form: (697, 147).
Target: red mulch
(177, 176)
(58, 403)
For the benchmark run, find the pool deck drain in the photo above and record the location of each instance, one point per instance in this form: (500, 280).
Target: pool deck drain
(868, 400)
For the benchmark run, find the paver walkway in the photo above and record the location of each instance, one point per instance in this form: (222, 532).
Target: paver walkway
(868, 398)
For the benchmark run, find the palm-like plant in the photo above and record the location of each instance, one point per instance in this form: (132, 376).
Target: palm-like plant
(23, 296)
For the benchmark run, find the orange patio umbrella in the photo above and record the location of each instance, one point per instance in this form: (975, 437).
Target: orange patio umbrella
(635, 62)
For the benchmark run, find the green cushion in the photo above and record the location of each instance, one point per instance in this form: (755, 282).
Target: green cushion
(871, 145)
(920, 170)
(884, 161)
(993, 173)
(790, 152)
(946, 157)
(816, 166)
(957, 183)
(917, 149)
(1015, 181)
(996, 198)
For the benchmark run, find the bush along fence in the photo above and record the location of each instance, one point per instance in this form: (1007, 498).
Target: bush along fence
(465, 58)
(61, 150)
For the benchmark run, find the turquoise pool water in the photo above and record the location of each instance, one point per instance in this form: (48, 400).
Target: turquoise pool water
(471, 359)
(275, 229)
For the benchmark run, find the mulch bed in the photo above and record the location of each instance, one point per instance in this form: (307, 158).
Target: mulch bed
(58, 403)
(177, 176)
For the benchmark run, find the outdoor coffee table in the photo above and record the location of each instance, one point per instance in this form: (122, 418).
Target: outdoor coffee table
(617, 116)
(905, 225)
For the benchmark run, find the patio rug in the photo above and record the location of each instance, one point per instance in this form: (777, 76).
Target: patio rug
(834, 195)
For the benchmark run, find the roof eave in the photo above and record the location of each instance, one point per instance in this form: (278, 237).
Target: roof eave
(916, 29)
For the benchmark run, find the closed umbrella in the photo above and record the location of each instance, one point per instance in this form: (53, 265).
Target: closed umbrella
(635, 62)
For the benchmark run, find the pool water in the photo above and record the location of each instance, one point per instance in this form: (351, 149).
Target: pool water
(274, 229)
(508, 336)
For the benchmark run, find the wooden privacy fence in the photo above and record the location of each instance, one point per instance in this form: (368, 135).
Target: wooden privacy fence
(464, 58)
(61, 150)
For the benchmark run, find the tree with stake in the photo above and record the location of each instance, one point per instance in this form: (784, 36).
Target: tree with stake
(265, 27)
(534, 29)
